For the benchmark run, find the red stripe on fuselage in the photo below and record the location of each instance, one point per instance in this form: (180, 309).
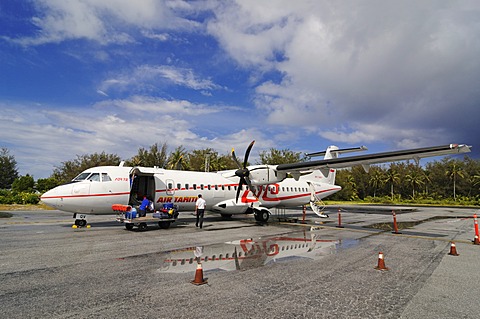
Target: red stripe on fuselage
(89, 195)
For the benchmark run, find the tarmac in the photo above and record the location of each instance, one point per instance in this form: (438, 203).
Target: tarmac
(50, 270)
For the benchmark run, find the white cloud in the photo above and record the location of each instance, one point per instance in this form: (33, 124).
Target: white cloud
(411, 65)
(148, 77)
(103, 21)
(85, 130)
(155, 106)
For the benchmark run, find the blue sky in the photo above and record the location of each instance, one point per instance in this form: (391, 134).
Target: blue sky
(86, 76)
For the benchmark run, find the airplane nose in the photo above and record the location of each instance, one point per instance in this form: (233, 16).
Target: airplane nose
(50, 198)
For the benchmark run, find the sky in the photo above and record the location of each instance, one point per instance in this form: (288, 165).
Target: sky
(85, 76)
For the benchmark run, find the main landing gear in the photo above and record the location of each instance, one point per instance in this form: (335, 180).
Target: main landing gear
(261, 215)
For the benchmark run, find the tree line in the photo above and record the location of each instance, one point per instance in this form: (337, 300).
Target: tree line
(447, 180)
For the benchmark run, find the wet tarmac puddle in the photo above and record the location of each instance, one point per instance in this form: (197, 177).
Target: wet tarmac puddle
(406, 225)
(253, 253)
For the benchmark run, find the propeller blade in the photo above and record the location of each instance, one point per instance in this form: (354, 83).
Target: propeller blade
(243, 171)
(249, 183)
(247, 153)
(235, 158)
(239, 188)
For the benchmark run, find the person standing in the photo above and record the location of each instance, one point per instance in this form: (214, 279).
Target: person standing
(200, 210)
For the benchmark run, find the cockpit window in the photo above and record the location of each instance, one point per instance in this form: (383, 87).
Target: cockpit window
(81, 177)
(95, 177)
(106, 178)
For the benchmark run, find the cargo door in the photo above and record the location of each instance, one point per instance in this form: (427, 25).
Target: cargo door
(142, 184)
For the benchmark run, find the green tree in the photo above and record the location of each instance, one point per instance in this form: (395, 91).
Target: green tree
(274, 157)
(454, 171)
(415, 178)
(200, 160)
(155, 156)
(377, 179)
(70, 169)
(23, 184)
(392, 177)
(352, 185)
(177, 159)
(45, 184)
(8, 169)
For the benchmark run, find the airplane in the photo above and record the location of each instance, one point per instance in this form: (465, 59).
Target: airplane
(254, 189)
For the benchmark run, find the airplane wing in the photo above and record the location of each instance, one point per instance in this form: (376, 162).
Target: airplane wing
(366, 160)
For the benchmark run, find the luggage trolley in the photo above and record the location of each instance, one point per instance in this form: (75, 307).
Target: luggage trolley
(127, 215)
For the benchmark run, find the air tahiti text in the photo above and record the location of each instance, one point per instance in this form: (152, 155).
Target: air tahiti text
(177, 199)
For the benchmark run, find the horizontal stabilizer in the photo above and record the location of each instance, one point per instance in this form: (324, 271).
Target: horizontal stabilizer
(340, 151)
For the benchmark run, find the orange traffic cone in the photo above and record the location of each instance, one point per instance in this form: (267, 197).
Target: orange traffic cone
(381, 262)
(453, 250)
(476, 241)
(199, 276)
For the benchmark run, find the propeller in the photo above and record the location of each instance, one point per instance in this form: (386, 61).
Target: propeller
(242, 170)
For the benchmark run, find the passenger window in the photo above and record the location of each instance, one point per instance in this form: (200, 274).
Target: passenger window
(179, 186)
(186, 186)
(106, 178)
(170, 186)
(201, 187)
(95, 177)
(194, 186)
(208, 187)
(216, 187)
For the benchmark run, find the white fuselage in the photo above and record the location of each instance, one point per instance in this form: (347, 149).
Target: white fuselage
(116, 185)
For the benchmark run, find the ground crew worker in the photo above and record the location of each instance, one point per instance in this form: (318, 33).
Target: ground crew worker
(200, 210)
(142, 210)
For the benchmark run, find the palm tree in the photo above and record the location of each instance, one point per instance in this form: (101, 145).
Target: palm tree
(393, 178)
(175, 160)
(415, 178)
(473, 181)
(350, 182)
(377, 178)
(452, 172)
(427, 180)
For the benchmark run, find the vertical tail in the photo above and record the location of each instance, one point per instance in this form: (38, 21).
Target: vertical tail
(327, 175)
(331, 152)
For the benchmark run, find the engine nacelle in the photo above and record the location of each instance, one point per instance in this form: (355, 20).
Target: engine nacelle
(265, 174)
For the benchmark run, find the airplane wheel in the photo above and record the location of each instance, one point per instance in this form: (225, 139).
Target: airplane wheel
(142, 226)
(80, 222)
(164, 225)
(262, 216)
(129, 226)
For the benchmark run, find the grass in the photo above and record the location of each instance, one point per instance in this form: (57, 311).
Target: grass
(16, 207)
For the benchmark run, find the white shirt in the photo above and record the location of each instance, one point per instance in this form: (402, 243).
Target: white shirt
(200, 203)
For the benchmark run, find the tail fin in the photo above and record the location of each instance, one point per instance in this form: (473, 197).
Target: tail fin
(332, 152)
(330, 174)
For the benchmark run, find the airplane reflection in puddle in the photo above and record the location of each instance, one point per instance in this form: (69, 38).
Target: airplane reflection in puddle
(250, 253)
